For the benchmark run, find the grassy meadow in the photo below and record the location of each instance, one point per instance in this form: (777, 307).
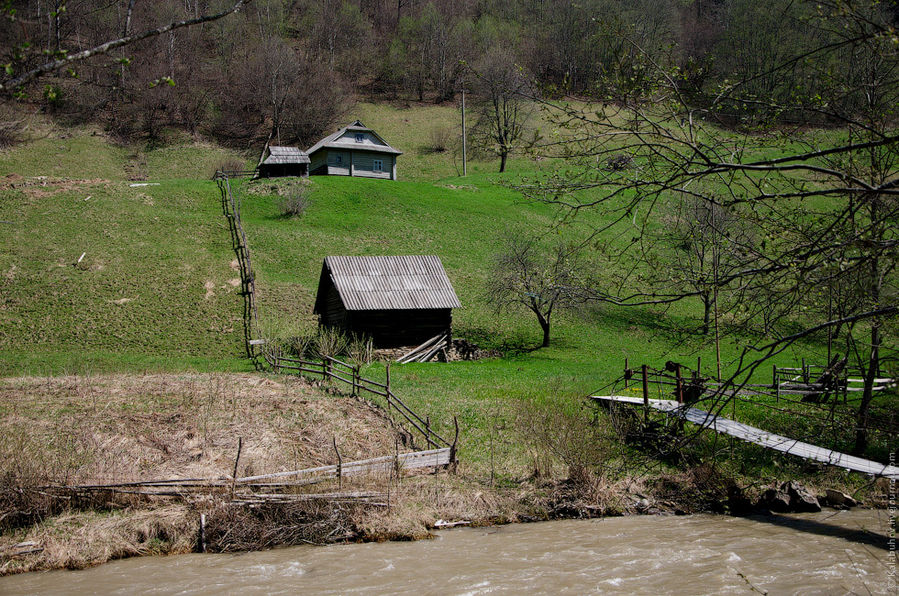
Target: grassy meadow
(156, 288)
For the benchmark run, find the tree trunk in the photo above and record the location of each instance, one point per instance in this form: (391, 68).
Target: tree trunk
(502, 160)
(707, 313)
(861, 423)
(544, 324)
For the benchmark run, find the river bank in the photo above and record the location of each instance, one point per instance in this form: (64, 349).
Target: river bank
(120, 428)
(829, 552)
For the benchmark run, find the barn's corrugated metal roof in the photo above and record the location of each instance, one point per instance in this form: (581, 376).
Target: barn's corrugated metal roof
(282, 155)
(388, 283)
(331, 141)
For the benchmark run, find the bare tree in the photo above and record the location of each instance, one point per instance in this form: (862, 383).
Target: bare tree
(504, 107)
(526, 276)
(824, 207)
(279, 96)
(710, 242)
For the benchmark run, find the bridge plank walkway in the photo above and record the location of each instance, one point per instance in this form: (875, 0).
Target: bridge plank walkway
(760, 437)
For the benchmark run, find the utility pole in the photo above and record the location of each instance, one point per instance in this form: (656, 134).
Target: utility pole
(715, 251)
(464, 148)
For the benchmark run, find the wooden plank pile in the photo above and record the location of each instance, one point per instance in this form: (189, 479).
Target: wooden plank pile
(425, 351)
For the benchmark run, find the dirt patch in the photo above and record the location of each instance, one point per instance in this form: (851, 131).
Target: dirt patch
(122, 301)
(235, 266)
(469, 187)
(209, 286)
(45, 186)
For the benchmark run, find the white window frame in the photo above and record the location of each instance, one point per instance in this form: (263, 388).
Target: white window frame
(378, 165)
(360, 138)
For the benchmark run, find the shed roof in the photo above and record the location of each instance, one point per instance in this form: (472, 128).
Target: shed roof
(389, 283)
(332, 141)
(285, 155)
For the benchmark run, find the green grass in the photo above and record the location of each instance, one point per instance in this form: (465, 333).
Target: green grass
(139, 298)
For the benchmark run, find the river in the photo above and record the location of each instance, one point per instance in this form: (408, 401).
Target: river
(823, 553)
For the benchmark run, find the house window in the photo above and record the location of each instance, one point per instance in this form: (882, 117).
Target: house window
(360, 137)
(338, 159)
(378, 165)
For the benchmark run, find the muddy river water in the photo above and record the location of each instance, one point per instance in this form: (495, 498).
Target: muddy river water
(824, 553)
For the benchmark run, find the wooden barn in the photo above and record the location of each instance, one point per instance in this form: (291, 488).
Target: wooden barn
(397, 301)
(284, 161)
(354, 150)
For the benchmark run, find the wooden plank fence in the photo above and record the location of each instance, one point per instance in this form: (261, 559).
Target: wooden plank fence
(231, 210)
(269, 488)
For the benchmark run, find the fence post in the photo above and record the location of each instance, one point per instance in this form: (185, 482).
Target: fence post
(236, 461)
(626, 376)
(645, 394)
(453, 447)
(428, 431)
(339, 465)
(680, 385)
(773, 376)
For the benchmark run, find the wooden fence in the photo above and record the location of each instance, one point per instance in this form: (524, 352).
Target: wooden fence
(234, 174)
(276, 487)
(328, 368)
(231, 210)
(332, 368)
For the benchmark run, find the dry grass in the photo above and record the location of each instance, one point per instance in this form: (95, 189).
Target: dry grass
(80, 430)
(82, 539)
(94, 430)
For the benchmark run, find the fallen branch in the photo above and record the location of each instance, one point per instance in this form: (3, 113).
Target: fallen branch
(103, 48)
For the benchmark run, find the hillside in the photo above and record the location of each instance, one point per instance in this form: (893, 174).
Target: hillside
(157, 287)
(117, 259)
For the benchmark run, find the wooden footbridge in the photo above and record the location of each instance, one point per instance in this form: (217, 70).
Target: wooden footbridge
(808, 396)
(758, 436)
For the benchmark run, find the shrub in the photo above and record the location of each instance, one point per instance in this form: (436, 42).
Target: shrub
(440, 139)
(330, 342)
(230, 165)
(10, 128)
(360, 349)
(295, 202)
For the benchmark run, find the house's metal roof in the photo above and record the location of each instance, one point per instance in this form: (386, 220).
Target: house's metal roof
(282, 155)
(389, 283)
(331, 141)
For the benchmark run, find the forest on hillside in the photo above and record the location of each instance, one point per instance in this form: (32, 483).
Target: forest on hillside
(290, 68)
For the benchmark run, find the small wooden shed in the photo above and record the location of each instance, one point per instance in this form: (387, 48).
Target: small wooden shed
(354, 150)
(284, 161)
(397, 300)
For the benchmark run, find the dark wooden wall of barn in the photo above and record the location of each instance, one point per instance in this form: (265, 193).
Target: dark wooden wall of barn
(331, 310)
(392, 328)
(283, 169)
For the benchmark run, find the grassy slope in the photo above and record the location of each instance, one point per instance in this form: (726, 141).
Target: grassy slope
(159, 245)
(138, 299)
